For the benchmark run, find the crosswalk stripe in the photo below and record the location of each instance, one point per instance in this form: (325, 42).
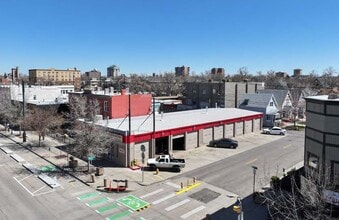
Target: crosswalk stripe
(192, 212)
(152, 193)
(177, 205)
(163, 199)
(173, 184)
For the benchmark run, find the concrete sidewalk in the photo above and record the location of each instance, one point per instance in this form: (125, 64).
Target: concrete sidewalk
(195, 158)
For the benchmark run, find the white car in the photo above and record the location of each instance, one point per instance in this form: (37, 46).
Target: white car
(275, 130)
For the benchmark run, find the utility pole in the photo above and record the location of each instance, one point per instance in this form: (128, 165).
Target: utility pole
(23, 111)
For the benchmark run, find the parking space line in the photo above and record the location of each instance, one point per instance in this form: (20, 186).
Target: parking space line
(151, 194)
(177, 205)
(25, 177)
(192, 212)
(39, 189)
(50, 191)
(23, 186)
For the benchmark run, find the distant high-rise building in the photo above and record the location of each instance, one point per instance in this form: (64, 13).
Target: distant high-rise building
(297, 72)
(182, 71)
(218, 71)
(92, 78)
(113, 71)
(15, 74)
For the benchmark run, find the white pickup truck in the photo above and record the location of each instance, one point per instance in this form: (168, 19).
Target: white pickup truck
(166, 161)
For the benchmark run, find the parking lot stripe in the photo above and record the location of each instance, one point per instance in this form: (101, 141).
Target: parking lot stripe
(177, 205)
(106, 208)
(97, 201)
(151, 194)
(88, 195)
(119, 215)
(23, 186)
(192, 212)
(163, 199)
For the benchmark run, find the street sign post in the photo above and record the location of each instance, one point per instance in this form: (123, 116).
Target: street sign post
(143, 149)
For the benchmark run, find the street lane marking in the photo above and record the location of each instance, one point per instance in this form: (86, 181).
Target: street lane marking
(192, 212)
(177, 205)
(286, 146)
(106, 208)
(88, 195)
(97, 201)
(151, 194)
(173, 184)
(81, 192)
(119, 215)
(163, 199)
(251, 161)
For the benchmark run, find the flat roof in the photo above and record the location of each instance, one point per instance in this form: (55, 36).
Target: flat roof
(322, 98)
(173, 120)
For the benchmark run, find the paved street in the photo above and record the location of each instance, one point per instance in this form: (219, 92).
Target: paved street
(222, 175)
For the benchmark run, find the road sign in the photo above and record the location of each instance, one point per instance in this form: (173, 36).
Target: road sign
(143, 148)
(91, 157)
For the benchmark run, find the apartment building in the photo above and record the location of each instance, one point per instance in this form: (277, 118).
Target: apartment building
(113, 71)
(322, 142)
(218, 94)
(53, 76)
(182, 71)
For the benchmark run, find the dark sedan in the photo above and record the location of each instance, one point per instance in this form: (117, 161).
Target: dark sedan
(224, 142)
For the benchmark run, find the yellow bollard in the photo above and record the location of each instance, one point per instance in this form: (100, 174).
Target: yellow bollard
(157, 171)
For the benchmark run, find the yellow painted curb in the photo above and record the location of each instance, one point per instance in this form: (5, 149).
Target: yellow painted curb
(188, 188)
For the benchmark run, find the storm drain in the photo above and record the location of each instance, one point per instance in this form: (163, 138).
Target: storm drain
(205, 195)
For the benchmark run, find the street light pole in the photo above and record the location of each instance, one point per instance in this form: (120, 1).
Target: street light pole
(254, 172)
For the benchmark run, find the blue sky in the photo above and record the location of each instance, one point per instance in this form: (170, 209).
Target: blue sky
(153, 36)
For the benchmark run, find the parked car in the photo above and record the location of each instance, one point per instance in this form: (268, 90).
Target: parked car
(166, 161)
(224, 142)
(275, 130)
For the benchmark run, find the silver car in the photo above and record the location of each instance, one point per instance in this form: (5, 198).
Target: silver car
(275, 130)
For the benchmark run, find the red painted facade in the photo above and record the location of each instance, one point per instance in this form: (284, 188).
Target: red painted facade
(118, 105)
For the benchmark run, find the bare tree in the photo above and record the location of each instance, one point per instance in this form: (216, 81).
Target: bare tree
(11, 111)
(90, 138)
(42, 119)
(302, 198)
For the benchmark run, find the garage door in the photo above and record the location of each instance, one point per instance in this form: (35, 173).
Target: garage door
(229, 130)
(191, 140)
(207, 135)
(256, 125)
(248, 127)
(239, 129)
(218, 132)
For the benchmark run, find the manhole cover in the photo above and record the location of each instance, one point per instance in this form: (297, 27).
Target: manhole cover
(205, 195)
